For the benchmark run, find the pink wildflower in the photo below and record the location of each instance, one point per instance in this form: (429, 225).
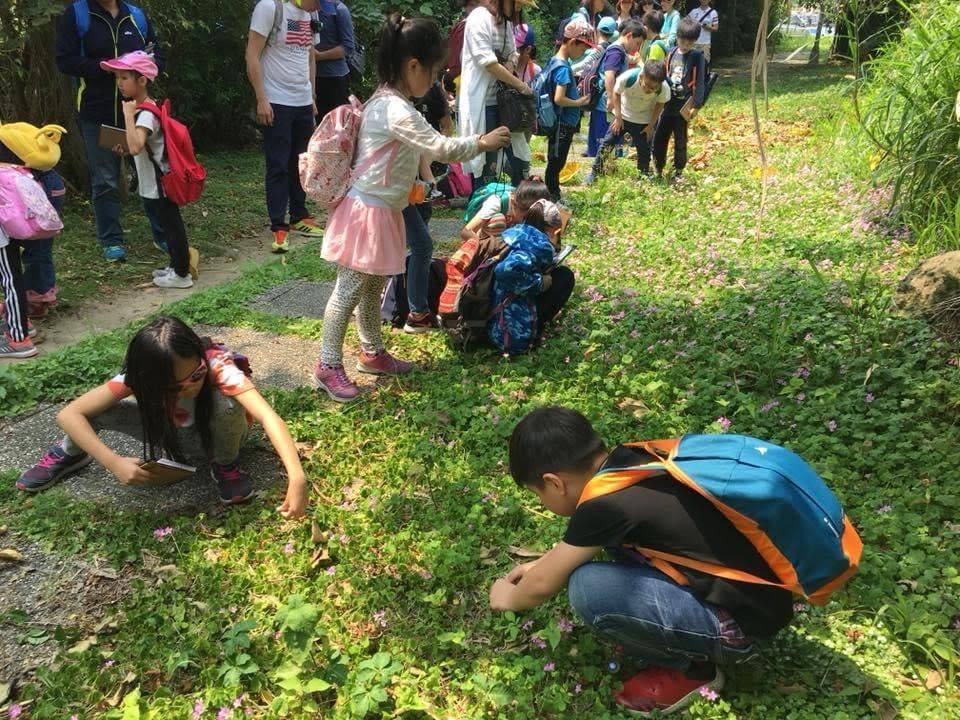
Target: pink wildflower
(15, 711)
(549, 667)
(198, 708)
(288, 548)
(577, 689)
(724, 423)
(884, 509)
(332, 570)
(539, 642)
(161, 533)
(868, 398)
(709, 694)
(224, 713)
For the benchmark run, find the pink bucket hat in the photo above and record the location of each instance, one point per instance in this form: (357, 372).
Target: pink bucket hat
(138, 61)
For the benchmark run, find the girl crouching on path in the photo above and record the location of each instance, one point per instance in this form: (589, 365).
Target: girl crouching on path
(365, 234)
(176, 391)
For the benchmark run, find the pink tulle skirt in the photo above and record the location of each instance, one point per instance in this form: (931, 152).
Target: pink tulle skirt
(365, 238)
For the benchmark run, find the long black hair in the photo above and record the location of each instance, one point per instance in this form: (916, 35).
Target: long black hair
(149, 373)
(403, 38)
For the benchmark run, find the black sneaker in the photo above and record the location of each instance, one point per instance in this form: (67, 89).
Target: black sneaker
(232, 482)
(53, 466)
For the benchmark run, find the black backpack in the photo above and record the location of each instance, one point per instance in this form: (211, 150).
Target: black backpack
(467, 326)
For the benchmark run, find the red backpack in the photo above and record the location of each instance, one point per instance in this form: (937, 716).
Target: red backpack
(455, 48)
(183, 184)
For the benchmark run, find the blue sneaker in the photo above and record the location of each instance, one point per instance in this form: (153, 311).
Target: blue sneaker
(115, 253)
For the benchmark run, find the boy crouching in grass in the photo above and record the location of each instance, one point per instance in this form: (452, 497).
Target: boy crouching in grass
(681, 633)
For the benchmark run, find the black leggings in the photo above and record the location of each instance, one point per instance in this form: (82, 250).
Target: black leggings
(172, 222)
(13, 292)
(551, 302)
(558, 147)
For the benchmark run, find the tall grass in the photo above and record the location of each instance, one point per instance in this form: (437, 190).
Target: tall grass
(908, 111)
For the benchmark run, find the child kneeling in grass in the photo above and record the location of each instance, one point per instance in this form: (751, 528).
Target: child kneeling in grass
(176, 391)
(682, 633)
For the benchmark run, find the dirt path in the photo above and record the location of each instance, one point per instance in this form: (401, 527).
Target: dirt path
(107, 312)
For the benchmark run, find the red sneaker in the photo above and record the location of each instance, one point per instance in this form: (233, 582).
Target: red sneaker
(657, 688)
(382, 363)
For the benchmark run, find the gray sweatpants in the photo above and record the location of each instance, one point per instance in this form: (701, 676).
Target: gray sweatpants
(228, 429)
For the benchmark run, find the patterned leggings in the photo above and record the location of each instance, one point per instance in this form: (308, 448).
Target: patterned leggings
(353, 290)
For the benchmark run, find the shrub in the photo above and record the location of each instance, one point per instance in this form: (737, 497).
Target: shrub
(908, 111)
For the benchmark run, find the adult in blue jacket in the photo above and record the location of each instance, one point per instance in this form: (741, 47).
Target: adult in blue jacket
(88, 32)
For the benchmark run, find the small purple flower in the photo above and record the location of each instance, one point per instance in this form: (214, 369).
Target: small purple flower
(884, 509)
(107, 665)
(801, 397)
(332, 570)
(198, 708)
(724, 423)
(527, 624)
(224, 713)
(564, 625)
(618, 316)
(832, 426)
(868, 398)
(425, 574)
(288, 549)
(539, 642)
(799, 607)
(768, 406)
(161, 533)
(549, 667)
(801, 372)
(380, 618)
(634, 333)
(577, 689)
(238, 701)
(15, 711)
(709, 694)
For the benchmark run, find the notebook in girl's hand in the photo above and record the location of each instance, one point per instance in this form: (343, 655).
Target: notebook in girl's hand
(166, 471)
(110, 137)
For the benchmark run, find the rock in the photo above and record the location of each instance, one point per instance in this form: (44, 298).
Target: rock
(931, 291)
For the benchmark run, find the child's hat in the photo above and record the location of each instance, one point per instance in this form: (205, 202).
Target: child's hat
(524, 36)
(37, 148)
(551, 213)
(578, 29)
(608, 26)
(138, 61)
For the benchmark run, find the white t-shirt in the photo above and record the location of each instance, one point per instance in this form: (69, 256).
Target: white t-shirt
(635, 103)
(285, 62)
(146, 171)
(490, 207)
(706, 16)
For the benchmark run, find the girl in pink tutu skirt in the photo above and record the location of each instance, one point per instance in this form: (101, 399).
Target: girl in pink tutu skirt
(365, 233)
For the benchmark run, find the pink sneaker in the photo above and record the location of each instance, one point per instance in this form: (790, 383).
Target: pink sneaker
(382, 363)
(335, 382)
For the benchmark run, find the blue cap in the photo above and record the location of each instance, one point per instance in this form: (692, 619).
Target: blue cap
(607, 25)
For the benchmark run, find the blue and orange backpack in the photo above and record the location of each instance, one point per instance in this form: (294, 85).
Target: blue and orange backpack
(769, 494)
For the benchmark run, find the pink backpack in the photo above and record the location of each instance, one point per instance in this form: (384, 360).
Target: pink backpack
(25, 211)
(460, 184)
(326, 168)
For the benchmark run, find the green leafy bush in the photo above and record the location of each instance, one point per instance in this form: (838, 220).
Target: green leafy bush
(908, 112)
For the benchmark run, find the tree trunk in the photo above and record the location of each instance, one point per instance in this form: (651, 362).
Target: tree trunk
(814, 58)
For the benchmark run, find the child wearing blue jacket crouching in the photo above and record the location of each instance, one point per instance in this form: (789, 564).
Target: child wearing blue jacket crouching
(529, 288)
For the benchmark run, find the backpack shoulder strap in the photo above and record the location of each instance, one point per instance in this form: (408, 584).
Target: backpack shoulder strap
(139, 18)
(81, 13)
(277, 22)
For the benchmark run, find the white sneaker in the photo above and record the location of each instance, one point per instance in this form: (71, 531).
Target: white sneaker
(172, 280)
(162, 271)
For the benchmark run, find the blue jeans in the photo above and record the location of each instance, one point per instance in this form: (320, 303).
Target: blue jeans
(282, 144)
(39, 277)
(653, 618)
(421, 254)
(104, 167)
(519, 169)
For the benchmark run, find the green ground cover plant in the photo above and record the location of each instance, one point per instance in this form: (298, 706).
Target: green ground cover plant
(682, 322)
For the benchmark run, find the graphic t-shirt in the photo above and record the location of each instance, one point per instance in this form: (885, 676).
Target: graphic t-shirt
(661, 514)
(285, 63)
(637, 104)
(152, 153)
(704, 16)
(223, 373)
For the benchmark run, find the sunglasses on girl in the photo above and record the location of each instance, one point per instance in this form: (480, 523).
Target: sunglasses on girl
(196, 376)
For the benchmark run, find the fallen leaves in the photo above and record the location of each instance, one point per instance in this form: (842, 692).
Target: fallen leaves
(10, 555)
